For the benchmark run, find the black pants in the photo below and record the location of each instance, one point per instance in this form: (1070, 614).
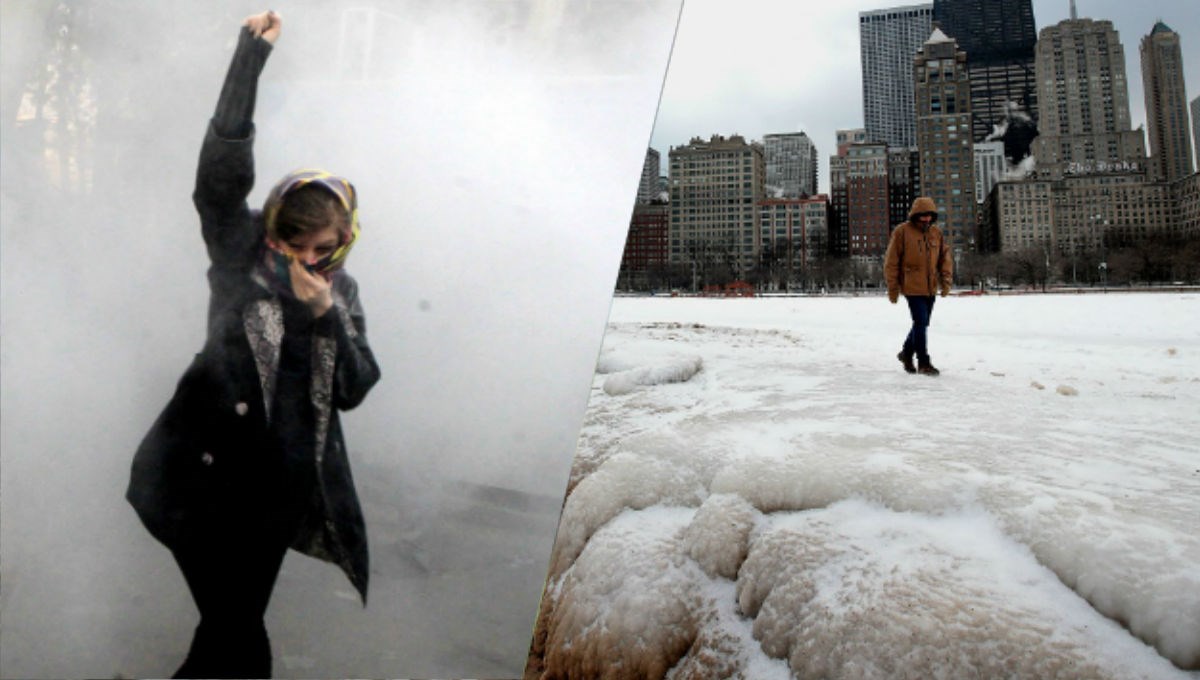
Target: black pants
(920, 307)
(231, 578)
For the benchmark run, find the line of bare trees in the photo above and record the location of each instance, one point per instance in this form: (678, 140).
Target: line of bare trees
(783, 266)
(1120, 261)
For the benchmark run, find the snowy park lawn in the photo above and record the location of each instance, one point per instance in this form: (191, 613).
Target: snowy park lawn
(760, 491)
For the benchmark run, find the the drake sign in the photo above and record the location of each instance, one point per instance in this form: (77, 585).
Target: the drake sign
(1092, 168)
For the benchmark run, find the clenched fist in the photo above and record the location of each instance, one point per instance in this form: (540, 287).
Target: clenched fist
(266, 25)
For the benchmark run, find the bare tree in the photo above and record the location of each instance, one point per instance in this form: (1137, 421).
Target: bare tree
(1027, 265)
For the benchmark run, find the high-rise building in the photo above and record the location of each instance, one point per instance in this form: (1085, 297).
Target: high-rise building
(791, 160)
(872, 189)
(645, 256)
(1017, 215)
(1196, 127)
(839, 201)
(904, 182)
(795, 228)
(943, 113)
(887, 41)
(1187, 199)
(1084, 101)
(998, 37)
(989, 168)
(868, 219)
(1081, 213)
(815, 211)
(716, 186)
(781, 225)
(648, 186)
(785, 223)
(850, 136)
(1166, 104)
(839, 204)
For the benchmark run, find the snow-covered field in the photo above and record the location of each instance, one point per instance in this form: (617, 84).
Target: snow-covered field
(761, 492)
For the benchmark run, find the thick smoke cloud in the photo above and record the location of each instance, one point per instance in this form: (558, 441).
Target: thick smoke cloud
(496, 147)
(1017, 131)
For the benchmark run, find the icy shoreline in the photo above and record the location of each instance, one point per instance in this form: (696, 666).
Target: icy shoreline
(802, 506)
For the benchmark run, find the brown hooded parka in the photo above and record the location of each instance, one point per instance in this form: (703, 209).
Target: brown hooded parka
(918, 261)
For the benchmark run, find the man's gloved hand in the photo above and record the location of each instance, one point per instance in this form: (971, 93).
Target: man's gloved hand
(945, 289)
(893, 295)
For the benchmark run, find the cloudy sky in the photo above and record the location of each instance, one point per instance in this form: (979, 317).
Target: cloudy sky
(764, 66)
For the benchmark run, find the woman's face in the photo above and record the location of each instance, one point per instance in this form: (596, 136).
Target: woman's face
(311, 247)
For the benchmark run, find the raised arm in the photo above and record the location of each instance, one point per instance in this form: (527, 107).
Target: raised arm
(225, 173)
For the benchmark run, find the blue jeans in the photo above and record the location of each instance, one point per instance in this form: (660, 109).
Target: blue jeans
(920, 307)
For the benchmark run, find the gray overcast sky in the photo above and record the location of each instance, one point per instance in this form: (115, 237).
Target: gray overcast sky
(754, 67)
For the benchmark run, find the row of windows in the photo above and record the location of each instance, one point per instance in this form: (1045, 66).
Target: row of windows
(708, 198)
(710, 177)
(891, 16)
(713, 161)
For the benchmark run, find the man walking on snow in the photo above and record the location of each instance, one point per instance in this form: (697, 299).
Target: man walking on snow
(918, 264)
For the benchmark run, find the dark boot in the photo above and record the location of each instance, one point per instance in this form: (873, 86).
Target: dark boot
(906, 359)
(925, 367)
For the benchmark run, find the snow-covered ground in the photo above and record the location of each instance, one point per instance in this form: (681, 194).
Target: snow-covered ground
(800, 506)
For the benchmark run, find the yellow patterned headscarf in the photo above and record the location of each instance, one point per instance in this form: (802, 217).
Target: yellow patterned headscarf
(340, 187)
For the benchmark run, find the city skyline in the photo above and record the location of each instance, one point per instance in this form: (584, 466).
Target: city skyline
(1166, 104)
(797, 70)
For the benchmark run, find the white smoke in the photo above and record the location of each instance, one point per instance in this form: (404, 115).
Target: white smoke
(1013, 114)
(1021, 170)
(461, 124)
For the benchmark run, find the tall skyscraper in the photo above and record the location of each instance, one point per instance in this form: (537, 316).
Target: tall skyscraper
(1196, 127)
(716, 186)
(648, 186)
(1084, 102)
(791, 162)
(989, 168)
(998, 37)
(1166, 104)
(943, 111)
(887, 41)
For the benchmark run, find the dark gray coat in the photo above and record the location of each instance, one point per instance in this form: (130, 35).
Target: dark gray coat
(213, 458)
